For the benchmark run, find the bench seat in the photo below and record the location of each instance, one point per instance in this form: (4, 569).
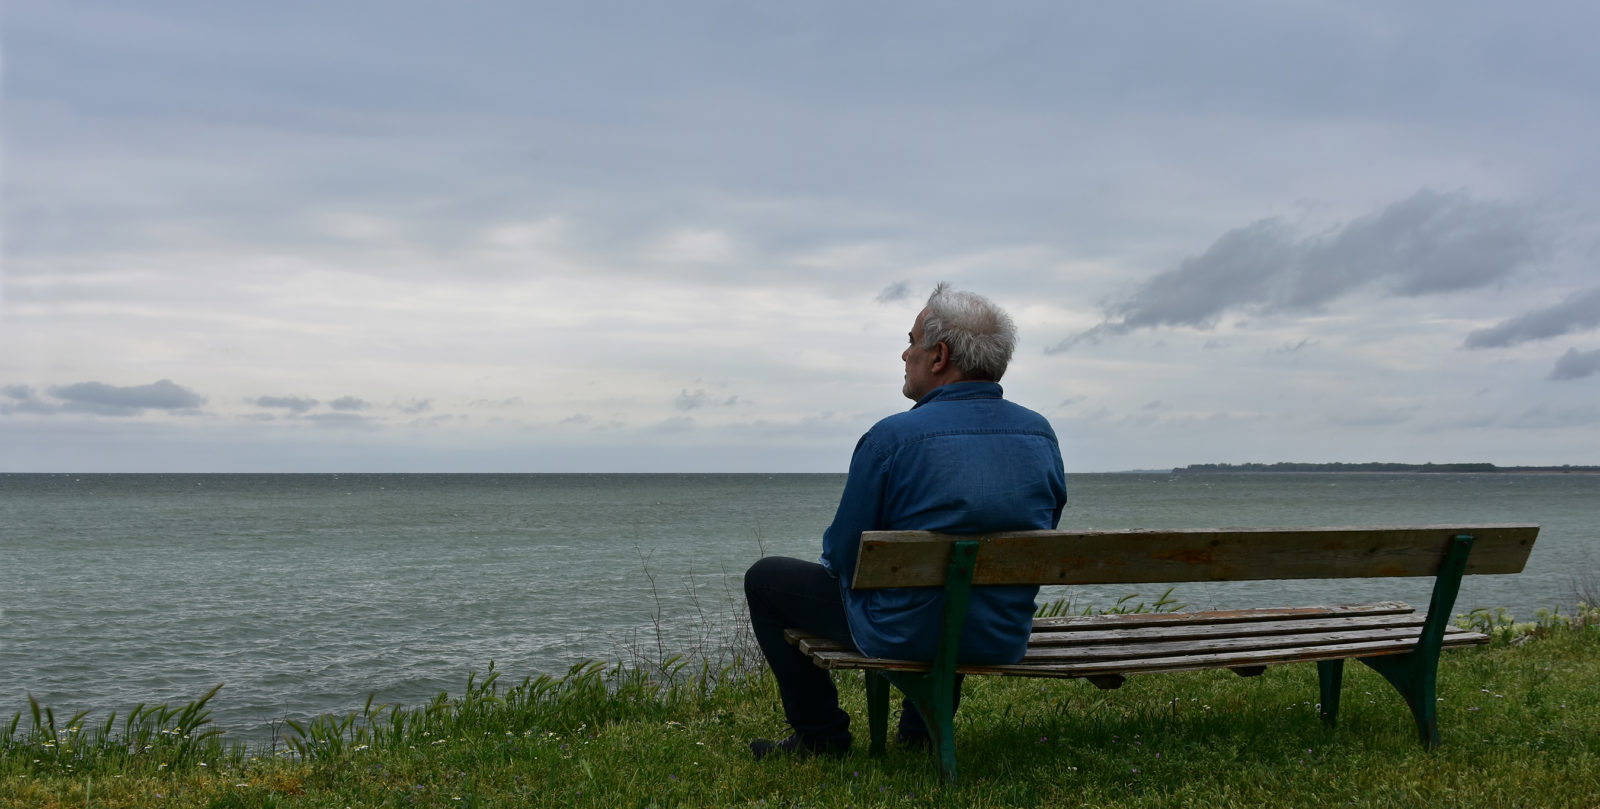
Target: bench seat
(1105, 648)
(1389, 636)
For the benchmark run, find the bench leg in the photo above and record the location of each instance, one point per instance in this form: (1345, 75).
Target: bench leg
(1330, 675)
(932, 692)
(938, 713)
(1414, 675)
(942, 730)
(935, 700)
(877, 711)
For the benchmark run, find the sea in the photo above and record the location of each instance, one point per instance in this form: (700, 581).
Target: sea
(306, 594)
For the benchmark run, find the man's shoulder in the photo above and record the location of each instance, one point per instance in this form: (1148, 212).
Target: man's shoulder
(987, 414)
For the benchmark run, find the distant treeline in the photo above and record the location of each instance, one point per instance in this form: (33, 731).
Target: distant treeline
(1375, 467)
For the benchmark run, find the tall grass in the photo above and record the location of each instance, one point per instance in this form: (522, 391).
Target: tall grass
(1518, 724)
(660, 728)
(150, 738)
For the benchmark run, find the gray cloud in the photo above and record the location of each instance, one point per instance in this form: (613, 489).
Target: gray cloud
(1544, 417)
(700, 398)
(24, 400)
(415, 406)
(1370, 417)
(112, 400)
(895, 292)
(345, 420)
(1576, 364)
(349, 403)
(294, 404)
(1293, 348)
(1426, 244)
(677, 424)
(511, 401)
(1580, 311)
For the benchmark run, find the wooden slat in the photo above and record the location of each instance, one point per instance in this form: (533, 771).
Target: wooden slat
(833, 658)
(1200, 632)
(1134, 652)
(1072, 622)
(1175, 626)
(1217, 634)
(1250, 657)
(920, 558)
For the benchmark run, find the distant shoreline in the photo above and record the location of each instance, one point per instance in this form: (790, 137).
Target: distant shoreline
(1443, 468)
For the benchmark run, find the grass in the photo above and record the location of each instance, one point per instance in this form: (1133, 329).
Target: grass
(1518, 718)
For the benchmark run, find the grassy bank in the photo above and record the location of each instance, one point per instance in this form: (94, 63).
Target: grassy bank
(1519, 719)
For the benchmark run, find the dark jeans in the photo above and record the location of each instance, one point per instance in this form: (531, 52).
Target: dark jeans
(786, 593)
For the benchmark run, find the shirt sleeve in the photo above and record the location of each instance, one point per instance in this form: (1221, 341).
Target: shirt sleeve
(860, 509)
(1058, 481)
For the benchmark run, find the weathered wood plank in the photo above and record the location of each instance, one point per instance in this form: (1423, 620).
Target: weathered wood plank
(1071, 622)
(920, 558)
(1158, 634)
(1197, 662)
(1036, 655)
(1134, 651)
(1128, 628)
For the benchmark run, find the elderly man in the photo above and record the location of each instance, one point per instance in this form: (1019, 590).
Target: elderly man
(961, 460)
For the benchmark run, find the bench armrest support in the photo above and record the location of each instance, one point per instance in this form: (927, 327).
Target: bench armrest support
(1415, 674)
(957, 597)
(932, 691)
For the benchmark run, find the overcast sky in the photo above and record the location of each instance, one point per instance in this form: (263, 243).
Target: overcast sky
(414, 235)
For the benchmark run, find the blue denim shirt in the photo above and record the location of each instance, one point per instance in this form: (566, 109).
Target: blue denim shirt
(963, 460)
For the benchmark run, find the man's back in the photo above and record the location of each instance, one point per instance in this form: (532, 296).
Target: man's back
(963, 460)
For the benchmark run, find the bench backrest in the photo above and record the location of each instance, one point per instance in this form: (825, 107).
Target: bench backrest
(921, 558)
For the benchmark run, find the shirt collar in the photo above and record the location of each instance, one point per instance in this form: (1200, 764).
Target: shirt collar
(961, 390)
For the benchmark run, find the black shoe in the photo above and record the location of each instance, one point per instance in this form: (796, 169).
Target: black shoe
(920, 742)
(800, 747)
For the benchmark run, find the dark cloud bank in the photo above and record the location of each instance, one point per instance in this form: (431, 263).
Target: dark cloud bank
(346, 407)
(1429, 243)
(101, 399)
(1579, 312)
(293, 404)
(1576, 364)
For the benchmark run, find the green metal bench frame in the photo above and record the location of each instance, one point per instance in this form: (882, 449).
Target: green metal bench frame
(1413, 673)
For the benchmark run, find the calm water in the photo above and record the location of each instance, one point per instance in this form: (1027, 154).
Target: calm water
(305, 593)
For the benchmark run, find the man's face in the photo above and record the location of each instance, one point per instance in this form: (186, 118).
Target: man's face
(919, 363)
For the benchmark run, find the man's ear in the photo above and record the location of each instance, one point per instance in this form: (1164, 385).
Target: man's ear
(941, 357)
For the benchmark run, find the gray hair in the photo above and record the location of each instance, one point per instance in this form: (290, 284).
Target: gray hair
(980, 335)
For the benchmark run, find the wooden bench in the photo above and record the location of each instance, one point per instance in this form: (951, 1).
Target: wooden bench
(1388, 636)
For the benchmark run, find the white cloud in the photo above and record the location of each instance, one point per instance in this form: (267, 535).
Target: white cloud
(694, 247)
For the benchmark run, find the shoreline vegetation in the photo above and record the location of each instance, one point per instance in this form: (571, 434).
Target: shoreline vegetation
(654, 731)
(1455, 468)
